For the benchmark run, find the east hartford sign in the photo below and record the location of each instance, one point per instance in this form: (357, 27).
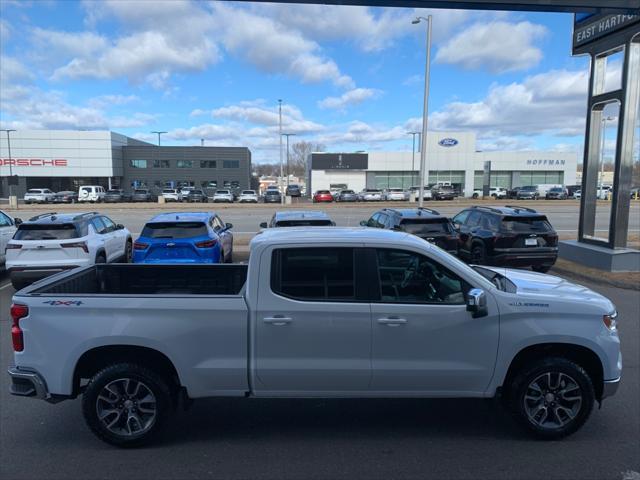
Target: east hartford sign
(599, 26)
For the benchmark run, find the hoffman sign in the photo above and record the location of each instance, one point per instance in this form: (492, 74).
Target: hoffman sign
(33, 162)
(589, 29)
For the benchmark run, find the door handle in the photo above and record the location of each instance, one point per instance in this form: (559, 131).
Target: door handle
(392, 322)
(277, 321)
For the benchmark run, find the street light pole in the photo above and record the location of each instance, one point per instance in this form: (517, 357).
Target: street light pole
(413, 155)
(425, 111)
(288, 135)
(604, 131)
(159, 133)
(10, 179)
(280, 136)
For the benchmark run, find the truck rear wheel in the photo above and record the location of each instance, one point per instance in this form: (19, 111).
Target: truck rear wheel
(552, 398)
(127, 405)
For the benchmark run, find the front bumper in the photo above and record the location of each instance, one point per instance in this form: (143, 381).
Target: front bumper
(610, 387)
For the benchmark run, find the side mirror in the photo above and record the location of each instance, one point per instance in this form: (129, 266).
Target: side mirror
(229, 226)
(363, 223)
(119, 226)
(264, 225)
(17, 221)
(477, 303)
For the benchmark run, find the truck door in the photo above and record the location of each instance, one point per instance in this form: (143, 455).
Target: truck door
(313, 322)
(424, 339)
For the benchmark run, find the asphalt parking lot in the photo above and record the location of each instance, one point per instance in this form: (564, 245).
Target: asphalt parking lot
(250, 438)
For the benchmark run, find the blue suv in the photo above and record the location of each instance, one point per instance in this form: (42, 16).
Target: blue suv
(199, 237)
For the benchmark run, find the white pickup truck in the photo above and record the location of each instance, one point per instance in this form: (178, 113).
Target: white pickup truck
(317, 312)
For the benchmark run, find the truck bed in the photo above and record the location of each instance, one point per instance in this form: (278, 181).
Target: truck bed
(140, 279)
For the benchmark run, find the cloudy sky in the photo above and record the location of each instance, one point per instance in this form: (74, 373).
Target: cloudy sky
(350, 78)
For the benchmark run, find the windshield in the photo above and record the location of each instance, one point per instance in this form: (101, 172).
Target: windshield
(222, 192)
(530, 188)
(174, 230)
(304, 223)
(63, 231)
(526, 224)
(248, 192)
(140, 191)
(423, 226)
(34, 191)
(347, 192)
(272, 192)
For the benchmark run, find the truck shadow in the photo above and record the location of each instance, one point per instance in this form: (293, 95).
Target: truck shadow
(323, 419)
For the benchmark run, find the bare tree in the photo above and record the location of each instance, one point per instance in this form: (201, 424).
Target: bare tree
(299, 154)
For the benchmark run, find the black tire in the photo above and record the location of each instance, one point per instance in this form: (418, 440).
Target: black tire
(541, 268)
(521, 393)
(101, 258)
(154, 382)
(478, 254)
(475, 196)
(128, 252)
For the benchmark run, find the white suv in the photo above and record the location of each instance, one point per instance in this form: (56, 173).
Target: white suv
(7, 229)
(223, 196)
(172, 195)
(91, 193)
(39, 195)
(495, 192)
(50, 243)
(249, 196)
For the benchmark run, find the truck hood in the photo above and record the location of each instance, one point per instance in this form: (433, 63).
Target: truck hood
(539, 284)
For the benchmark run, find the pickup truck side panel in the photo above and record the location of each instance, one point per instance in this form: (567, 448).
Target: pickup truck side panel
(207, 344)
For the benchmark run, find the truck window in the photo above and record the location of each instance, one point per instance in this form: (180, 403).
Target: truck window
(314, 274)
(408, 277)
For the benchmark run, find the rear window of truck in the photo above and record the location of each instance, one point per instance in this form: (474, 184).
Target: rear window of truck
(174, 230)
(63, 231)
(424, 226)
(526, 224)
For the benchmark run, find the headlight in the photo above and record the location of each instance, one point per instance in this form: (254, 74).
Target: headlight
(610, 321)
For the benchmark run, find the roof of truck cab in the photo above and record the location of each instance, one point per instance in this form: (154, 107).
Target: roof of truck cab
(302, 215)
(182, 217)
(319, 235)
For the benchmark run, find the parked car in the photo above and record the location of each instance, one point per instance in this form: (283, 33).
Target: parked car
(370, 195)
(604, 192)
(529, 192)
(172, 195)
(320, 312)
(304, 218)
(142, 195)
(8, 227)
(91, 193)
(577, 194)
(65, 196)
(197, 195)
(198, 237)
(508, 236)
(322, 196)
(394, 194)
(294, 191)
(571, 189)
(39, 195)
(443, 192)
(557, 193)
(272, 196)
(426, 194)
(248, 196)
(425, 223)
(184, 191)
(512, 193)
(347, 196)
(116, 196)
(495, 192)
(223, 196)
(50, 243)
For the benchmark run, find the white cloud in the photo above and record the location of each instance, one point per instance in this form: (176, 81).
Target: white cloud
(293, 120)
(498, 47)
(352, 97)
(111, 100)
(12, 71)
(413, 80)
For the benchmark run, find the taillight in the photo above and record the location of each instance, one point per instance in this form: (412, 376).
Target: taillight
(81, 245)
(207, 244)
(13, 246)
(140, 246)
(18, 312)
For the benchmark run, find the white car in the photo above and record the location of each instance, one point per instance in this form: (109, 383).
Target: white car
(7, 229)
(495, 192)
(370, 195)
(39, 195)
(184, 191)
(426, 195)
(394, 194)
(50, 243)
(223, 196)
(172, 195)
(91, 194)
(248, 196)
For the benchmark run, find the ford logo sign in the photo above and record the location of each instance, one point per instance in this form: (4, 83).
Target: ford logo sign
(448, 142)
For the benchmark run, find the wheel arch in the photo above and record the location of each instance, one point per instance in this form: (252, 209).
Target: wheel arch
(583, 356)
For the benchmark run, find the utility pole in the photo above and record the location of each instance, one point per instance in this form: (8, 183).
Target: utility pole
(413, 155)
(159, 133)
(10, 179)
(600, 190)
(425, 111)
(280, 136)
(288, 135)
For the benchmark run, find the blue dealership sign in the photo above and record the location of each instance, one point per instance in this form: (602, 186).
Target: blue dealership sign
(448, 142)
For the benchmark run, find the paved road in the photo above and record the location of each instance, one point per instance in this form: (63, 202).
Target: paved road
(247, 218)
(282, 439)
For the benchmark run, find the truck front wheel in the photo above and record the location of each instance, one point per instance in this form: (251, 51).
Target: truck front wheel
(127, 405)
(552, 398)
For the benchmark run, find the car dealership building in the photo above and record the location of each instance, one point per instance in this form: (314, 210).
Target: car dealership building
(65, 159)
(451, 157)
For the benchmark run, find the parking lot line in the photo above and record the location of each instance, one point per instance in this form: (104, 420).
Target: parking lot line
(2, 287)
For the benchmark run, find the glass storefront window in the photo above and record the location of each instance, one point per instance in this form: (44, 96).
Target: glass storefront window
(231, 164)
(184, 164)
(161, 164)
(138, 163)
(208, 164)
(209, 184)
